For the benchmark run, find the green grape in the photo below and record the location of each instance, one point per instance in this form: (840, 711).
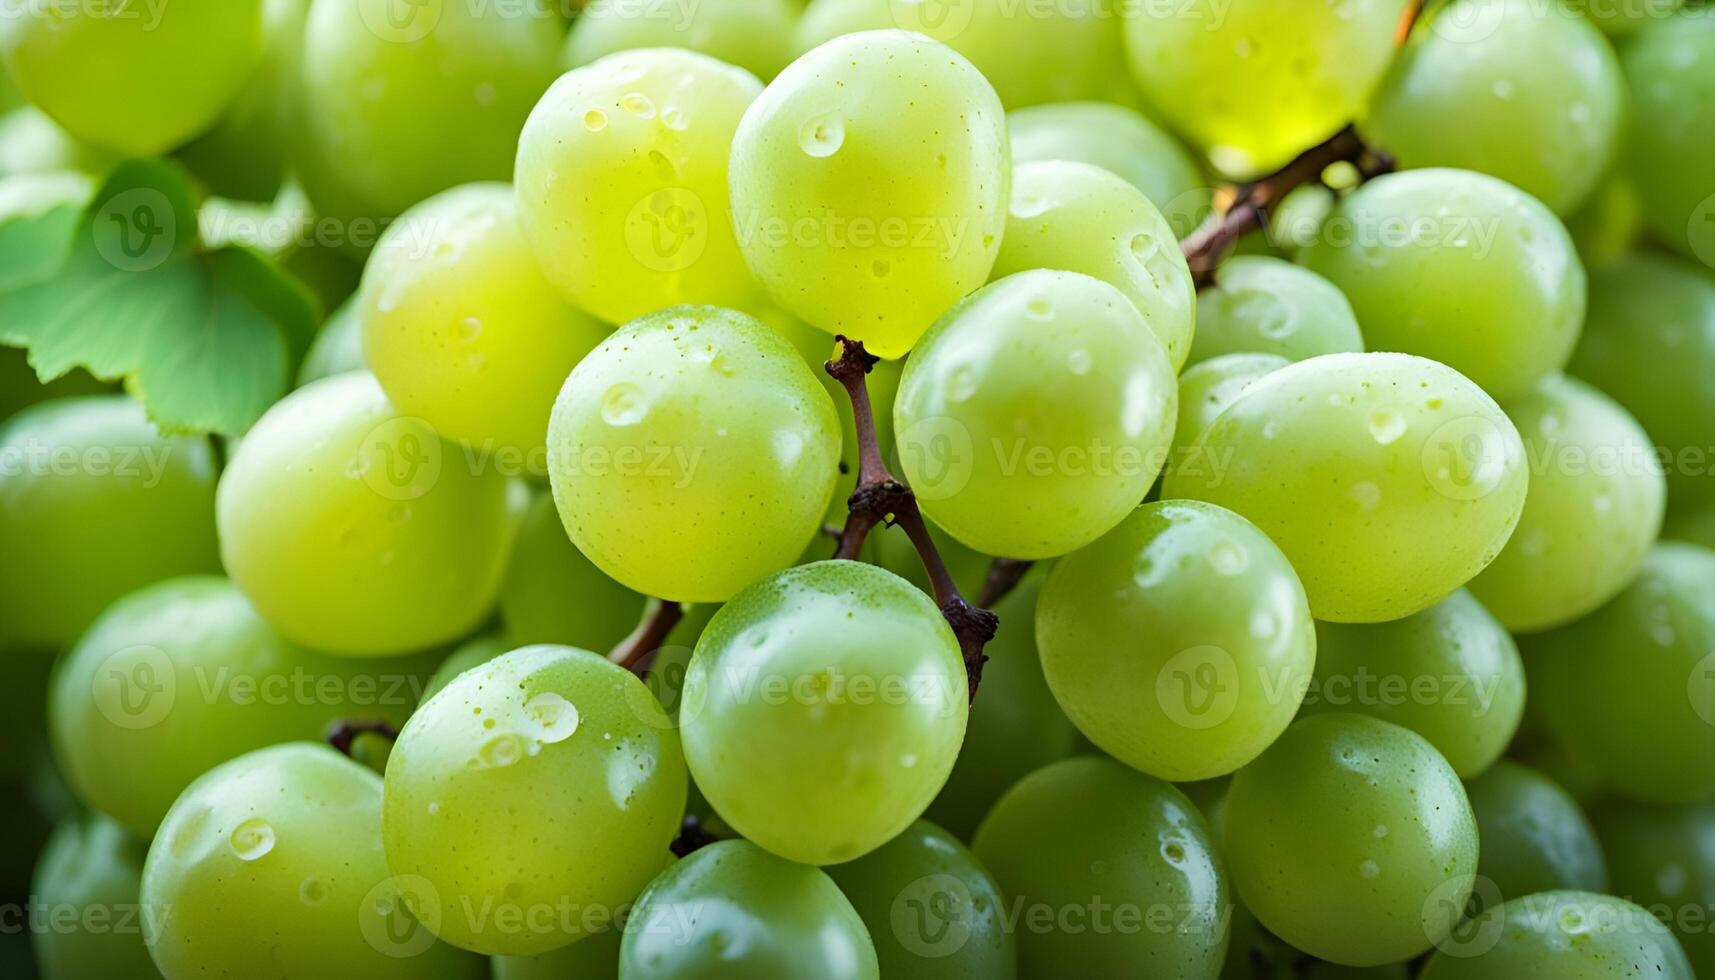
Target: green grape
(543, 786)
(1629, 689)
(464, 331)
(1352, 839)
(467, 656)
(1255, 82)
(1535, 838)
(622, 183)
(1561, 935)
(338, 346)
(1388, 480)
(244, 155)
(1294, 224)
(31, 143)
(1525, 91)
(95, 502)
(733, 910)
(553, 594)
(1593, 510)
(1649, 343)
(755, 35)
(594, 957)
(1663, 858)
(1270, 306)
(1695, 527)
(1115, 138)
(354, 529)
(1036, 414)
(270, 866)
(863, 207)
(1180, 643)
(1397, 242)
(933, 912)
(823, 710)
(1451, 673)
(86, 886)
(1207, 388)
(1669, 149)
(692, 453)
(1081, 218)
(137, 81)
(1106, 870)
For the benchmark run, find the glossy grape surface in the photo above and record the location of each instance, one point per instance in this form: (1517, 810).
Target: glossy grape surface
(1266, 305)
(1117, 139)
(1535, 837)
(87, 882)
(1562, 935)
(1669, 149)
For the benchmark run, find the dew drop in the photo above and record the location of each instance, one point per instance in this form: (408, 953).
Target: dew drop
(312, 892)
(1078, 361)
(822, 136)
(637, 104)
(470, 328)
(595, 120)
(1572, 922)
(623, 405)
(252, 839)
(552, 717)
(1148, 572)
(675, 119)
(961, 383)
(1228, 557)
(880, 268)
(499, 752)
(1370, 869)
(1038, 308)
(1387, 425)
(1173, 852)
(1366, 495)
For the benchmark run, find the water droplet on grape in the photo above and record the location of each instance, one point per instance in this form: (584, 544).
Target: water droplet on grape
(961, 383)
(1387, 425)
(1229, 557)
(252, 839)
(595, 120)
(1038, 308)
(1370, 869)
(553, 718)
(1078, 361)
(822, 136)
(1366, 495)
(500, 751)
(312, 892)
(624, 405)
(638, 104)
(675, 119)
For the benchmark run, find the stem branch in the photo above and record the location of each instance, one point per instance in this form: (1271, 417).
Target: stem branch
(636, 651)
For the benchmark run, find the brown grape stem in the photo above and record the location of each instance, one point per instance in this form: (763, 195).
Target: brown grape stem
(693, 836)
(637, 651)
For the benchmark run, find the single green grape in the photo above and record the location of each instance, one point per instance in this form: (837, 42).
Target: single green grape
(594, 957)
(1180, 643)
(1535, 837)
(1621, 18)
(1117, 139)
(732, 909)
(1081, 218)
(823, 710)
(1630, 689)
(1663, 858)
(32, 143)
(1106, 869)
(86, 885)
(1036, 414)
(863, 207)
(1388, 480)
(1669, 149)
(1271, 306)
(622, 183)
(692, 453)
(755, 35)
(1207, 388)
(553, 594)
(1561, 935)
(531, 790)
(1352, 839)
(338, 345)
(94, 503)
(244, 155)
(1394, 245)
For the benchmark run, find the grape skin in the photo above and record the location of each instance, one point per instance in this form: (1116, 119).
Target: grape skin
(1120, 140)
(1663, 858)
(1207, 388)
(1535, 837)
(91, 865)
(1267, 305)
(1562, 935)
(1670, 147)
(755, 35)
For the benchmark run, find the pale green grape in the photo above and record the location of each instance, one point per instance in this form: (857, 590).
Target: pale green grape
(86, 886)
(594, 957)
(1397, 243)
(1669, 149)
(933, 912)
(31, 143)
(1180, 643)
(1097, 852)
(1535, 838)
(1115, 138)
(1620, 18)
(468, 655)
(823, 710)
(95, 502)
(1270, 306)
(1352, 839)
(733, 910)
(553, 594)
(862, 206)
(1081, 218)
(137, 81)
(464, 331)
(1562, 935)
(692, 453)
(1207, 388)
(622, 182)
(1035, 415)
(1520, 89)
(537, 787)
(270, 866)
(355, 529)
(1450, 673)
(244, 155)
(338, 346)
(1255, 82)
(1388, 480)
(1630, 689)
(1593, 510)
(1663, 858)
(755, 35)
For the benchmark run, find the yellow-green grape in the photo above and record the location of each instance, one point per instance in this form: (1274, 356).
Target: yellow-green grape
(594, 957)
(94, 503)
(1180, 643)
(1520, 89)
(1081, 218)
(1663, 857)
(1388, 480)
(31, 143)
(270, 866)
(622, 183)
(1255, 82)
(1037, 54)
(1352, 839)
(355, 529)
(1620, 18)
(1669, 149)
(1594, 508)
(1270, 306)
(1535, 837)
(1115, 138)
(693, 453)
(338, 346)
(86, 886)
(1036, 414)
(553, 594)
(245, 154)
(464, 331)
(864, 207)
(755, 35)
(1097, 850)
(1450, 673)
(1396, 243)
(1205, 391)
(1561, 935)
(1630, 689)
(137, 81)
(541, 784)
(823, 710)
